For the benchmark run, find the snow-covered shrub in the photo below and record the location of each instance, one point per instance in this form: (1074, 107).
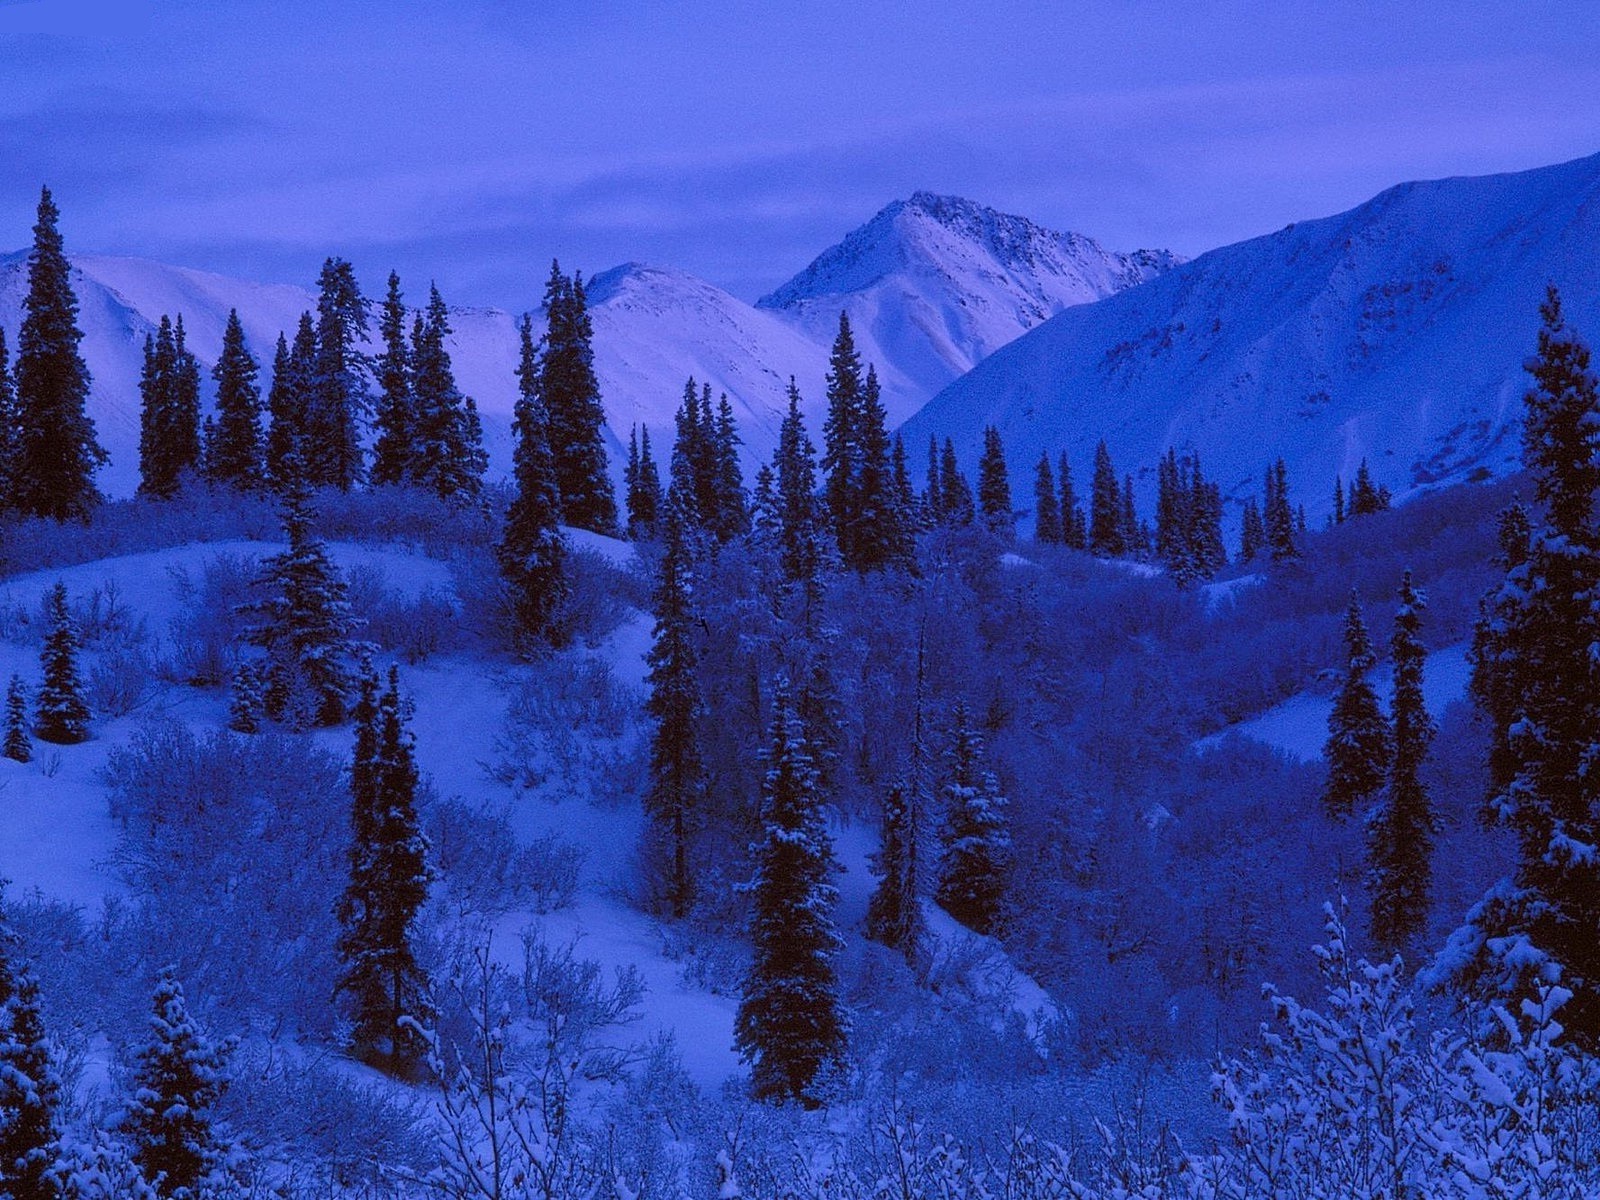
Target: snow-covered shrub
(565, 726)
(600, 596)
(120, 679)
(485, 871)
(206, 633)
(416, 628)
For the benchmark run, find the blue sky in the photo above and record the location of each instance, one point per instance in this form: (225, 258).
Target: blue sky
(472, 141)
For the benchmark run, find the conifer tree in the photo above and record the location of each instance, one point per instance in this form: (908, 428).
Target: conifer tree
(733, 508)
(954, 490)
(571, 395)
(791, 1024)
(10, 430)
(1357, 750)
(1107, 527)
(1534, 671)
(289, 401)
(1366, 497)
(1277, 517)
(304, 626)
(1252, 532)
(446, 455)
(894, 914)
(169, 418)
(247, 706)
(974, 842)
(18, 747)
(56, 450)
(994, 485)
(1135, 536)
(1074, 525)
(907, 518)
(933, 505)
(677, 774)
(388, 886)
(1401, 831)
(178, 1078)
(841, 436)
(1338, 500)
(394, 418)
(30, 1096)
(643, 480)
(339, 397)
(234, 451)
(61, 715)
(532, 553)
(800, 548)
(1046, 508)
(878, 535)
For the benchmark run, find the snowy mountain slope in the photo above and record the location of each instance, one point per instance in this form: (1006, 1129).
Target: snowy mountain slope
(935, 284)
(1396, 332)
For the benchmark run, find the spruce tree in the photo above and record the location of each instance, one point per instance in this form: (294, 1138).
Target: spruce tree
(1400, 833)
(247, 706)
(339, 395)
(894, 913)
(733, 508)
(289, 401)
(446, 455)
(800, 546)
(56, 450)
(1106, 523)
(1135, 537)
(1366, 497)
(532, 552)
(169, 416)
(571, 394)
(677, 775)
(841, 438)
(30, 1097)
(643, 488)
(955, 491)
(10, 430)
(791, 1024)
(178, 1078)
(304, 624)
(18, 747)
(60, 715)
(1338, 500)
(994, 486)
(1358, 749)
(393, 418)
(933, 505)
(1074, 525)
(974, 842)
(878, 535)
(1277, 516)
(389, 877)
(1046, 508)
(907, 516)
(1252, 532)
(234, 450)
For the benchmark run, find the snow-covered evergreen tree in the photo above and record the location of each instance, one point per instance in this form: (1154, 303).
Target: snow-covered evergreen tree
(791, 1024)
(289, 403)
(393, 417)
(234, 454)
(179, 1076)
(10, 429)
(389, 877)
(1366, 497)
(1401, 830)
(339, 397)
(56, 450)
(878, 535)
(17, 747)
(1106, 525)
(841, 434)
(1074, 525)
(30, 1097)
(1046, 507)
(799, 521)
(532, 551)
(994, 485)
(61, 714)
(642, 480)
(955, 493)
(733, 508)
(1277, 516)
(1358, 747)
(247, 703)
(446, 453)
(169, 416)
(975, 844)
(1252, 532)
(571, 395)
(894, 912)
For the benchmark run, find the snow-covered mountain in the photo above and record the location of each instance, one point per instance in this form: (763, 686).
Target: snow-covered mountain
(1395, 332)
(935, 284)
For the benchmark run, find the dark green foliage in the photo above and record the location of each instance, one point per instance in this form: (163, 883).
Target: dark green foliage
(61, 715)
(389, 877)
(394, 418)
(677, 772)
(17, 747)
(1401, 830)
(791, 1024)
(871, 524)
(1357, 750)
(234, 453)
(304, 624)
(532, 553)
(30, 1096)
(1277, 517)
(994, 485)
(571, 395)
(1046, 508)
(169, 415)
(1107, 527)
(974, 842)
(178, 1078)
(446, 454)
(339, 397)
(56, 450)
(642, 483)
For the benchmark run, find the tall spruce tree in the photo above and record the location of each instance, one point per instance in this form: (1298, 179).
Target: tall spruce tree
(841, 437)
(1358, 745)
(894, 913)
(1277, 516)
(974, 842)
(800, 530)
(339, 397)
(61, 714)
(1074, 525)
(932, 496)
(234, 452)
(56, 450)
(1535, 672)
(727, 477)
(532, 552)
(994, 485)
(169, 416)
(304, 623)
(18, 747)
(791, 1024)
(30, 1096)
(1106, 525)
(393, 418)
(178, 1078)
(1046, 507)
(289, 402)
(446, 455)
(954, 490)
(1252, 532)
(677, 773)
(1366, 497)
(571, 394)
(643, 487)
(878, 535)
(10, 430)
(1401, 831)
(908, 518)
(380, 976)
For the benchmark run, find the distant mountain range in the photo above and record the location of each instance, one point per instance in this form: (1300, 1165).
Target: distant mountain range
(1395, 332)
(932, 285)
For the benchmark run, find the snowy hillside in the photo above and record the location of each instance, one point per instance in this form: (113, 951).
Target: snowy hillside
(1395, 332)
(935, 284)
